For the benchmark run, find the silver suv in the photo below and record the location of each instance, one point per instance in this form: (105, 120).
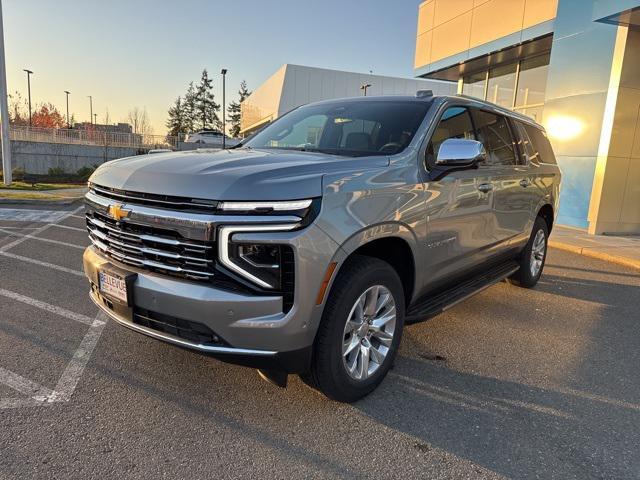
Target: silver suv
(307, 248)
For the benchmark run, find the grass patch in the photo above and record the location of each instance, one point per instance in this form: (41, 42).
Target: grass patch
(38, 187)
(28, 196)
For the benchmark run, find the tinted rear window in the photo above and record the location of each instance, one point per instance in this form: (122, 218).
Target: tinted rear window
(543, 153)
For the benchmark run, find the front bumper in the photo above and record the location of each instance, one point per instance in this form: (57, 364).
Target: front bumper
(255, 330)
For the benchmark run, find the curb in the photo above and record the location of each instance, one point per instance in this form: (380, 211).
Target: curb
(35, 201)
(589, 252)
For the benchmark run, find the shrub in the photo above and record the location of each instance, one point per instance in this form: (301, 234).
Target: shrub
(57, 172)
(85, 172)
(17, 174)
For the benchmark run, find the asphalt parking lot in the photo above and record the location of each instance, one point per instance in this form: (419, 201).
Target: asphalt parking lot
(513, 383)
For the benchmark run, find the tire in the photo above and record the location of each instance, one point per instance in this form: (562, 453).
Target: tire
(533, 256)
(351, 301)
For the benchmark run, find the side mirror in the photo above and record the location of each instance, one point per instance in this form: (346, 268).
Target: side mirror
(459, 153)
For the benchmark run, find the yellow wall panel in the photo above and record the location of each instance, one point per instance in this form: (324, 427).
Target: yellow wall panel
(451, 37)
(423, 49)
(425, 16)
(496, 19)
(631, 201)
(538, 11)
(613, 187)
(625, 122)
(449, 9)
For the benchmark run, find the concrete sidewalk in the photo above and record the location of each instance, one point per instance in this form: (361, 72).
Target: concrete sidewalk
(623, 250)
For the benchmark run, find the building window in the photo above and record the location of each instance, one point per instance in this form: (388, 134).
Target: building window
(520, 86)
(502, 83)
(474, 85)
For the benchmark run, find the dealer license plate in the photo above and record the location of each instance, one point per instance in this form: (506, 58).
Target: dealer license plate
(113, 285)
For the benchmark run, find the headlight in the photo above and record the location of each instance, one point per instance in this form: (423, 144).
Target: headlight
(287, 206)
(258, 263)
(307, 210)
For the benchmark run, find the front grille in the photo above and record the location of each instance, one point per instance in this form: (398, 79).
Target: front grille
(186, 329)
(156, 200)
(156, 249)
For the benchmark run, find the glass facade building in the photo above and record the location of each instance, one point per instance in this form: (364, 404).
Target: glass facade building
(572, 65)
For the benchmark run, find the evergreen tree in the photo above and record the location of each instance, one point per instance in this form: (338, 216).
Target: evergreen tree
(178, 119)
(234, 110)
(190, 108)
(206, 107)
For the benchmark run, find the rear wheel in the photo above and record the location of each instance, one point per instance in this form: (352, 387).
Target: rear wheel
(360, 330)
(533, 256)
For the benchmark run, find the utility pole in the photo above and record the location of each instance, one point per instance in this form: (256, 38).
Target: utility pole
(4, 110)
(95, 118)
(29, 73)
(224, 120)
(90, 109)
(68, 124)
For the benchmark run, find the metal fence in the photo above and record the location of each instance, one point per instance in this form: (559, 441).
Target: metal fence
(92, 137)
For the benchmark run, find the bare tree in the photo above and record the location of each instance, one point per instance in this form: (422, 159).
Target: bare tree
(139, 120)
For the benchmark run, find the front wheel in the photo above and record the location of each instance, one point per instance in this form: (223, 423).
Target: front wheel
(533, 256)
(360, 330)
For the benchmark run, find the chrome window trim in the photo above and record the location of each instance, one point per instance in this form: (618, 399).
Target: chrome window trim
(223, 246)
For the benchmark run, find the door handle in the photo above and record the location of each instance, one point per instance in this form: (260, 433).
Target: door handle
(485, 187)
(525, 182)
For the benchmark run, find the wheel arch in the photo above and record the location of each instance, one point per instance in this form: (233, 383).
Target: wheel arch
(392, 243)
(547, 213)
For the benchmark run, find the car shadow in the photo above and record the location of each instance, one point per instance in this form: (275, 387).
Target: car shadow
(578, 423)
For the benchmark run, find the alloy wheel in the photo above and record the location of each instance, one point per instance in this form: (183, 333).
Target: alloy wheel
(368, 332)
(538, 250)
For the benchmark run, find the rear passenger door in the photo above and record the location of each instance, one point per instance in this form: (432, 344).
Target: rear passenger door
(511, 204)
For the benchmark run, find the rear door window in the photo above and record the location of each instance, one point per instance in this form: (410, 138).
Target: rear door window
(494, 132)
(543, 153)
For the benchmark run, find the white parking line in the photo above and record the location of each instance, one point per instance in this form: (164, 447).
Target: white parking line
(63, 312)
(41, 263)
(66, 384)
(23, 385)
(33, 237)
(18, 241)
(31, 215)
(69, 379)
(84, 230)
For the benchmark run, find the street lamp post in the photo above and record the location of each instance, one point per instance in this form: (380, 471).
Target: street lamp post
(364, 87)
(29, 73)
(90, 109)
(95, 118)
(224, 119)
(4, 111)
(68, 123)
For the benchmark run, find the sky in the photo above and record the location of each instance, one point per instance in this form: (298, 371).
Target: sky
(142, 53)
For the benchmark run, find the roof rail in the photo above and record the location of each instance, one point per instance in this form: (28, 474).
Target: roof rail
(424, 93)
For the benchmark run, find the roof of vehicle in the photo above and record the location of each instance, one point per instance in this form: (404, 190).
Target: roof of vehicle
(464, 99)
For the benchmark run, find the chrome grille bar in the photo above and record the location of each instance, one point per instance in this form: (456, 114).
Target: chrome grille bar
(131, 197)
(150, 248)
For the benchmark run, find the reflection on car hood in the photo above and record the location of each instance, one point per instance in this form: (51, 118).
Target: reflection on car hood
(242, 174)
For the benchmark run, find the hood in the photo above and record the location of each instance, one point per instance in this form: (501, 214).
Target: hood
(242, 174)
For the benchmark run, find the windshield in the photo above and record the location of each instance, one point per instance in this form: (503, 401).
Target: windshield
(352, 128)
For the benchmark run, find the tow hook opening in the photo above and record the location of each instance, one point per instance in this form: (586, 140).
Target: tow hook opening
(276, 377)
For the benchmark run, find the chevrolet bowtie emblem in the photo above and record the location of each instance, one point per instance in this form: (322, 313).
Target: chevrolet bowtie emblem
(117, 212)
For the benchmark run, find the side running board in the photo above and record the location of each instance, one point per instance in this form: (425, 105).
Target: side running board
(446, 299)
